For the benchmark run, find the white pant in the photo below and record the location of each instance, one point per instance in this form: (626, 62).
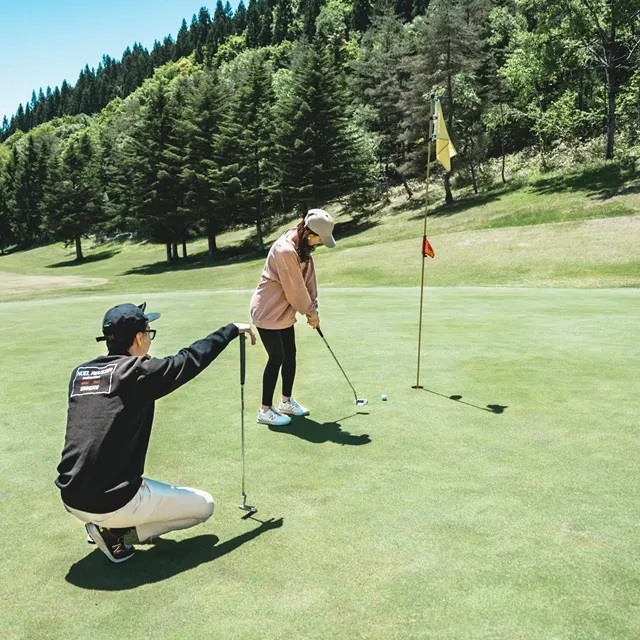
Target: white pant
(154, 510)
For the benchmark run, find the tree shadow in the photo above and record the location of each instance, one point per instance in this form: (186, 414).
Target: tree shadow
(357, 224)
(7, 251)
(165, 559)
(319, 432)
(245, 252)
(469, 202)
(95, 257)
(414, 204)
(602, 182)
(491, 408)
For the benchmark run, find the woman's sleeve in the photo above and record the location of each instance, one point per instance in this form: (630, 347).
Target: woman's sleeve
(293, 283)
(312, 285)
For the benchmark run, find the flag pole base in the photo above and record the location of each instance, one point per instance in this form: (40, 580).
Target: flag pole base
(417, 386)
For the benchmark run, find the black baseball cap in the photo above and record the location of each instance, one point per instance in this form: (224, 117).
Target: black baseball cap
(123, 321)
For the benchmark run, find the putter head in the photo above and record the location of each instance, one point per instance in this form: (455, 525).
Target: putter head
(250, 510)
(246, 507)
(360, 402)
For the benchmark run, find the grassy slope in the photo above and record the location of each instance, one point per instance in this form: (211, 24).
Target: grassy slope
(579, 230)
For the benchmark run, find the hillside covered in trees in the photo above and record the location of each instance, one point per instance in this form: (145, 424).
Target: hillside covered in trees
(285, 104)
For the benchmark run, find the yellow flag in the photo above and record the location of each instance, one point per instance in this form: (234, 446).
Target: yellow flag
(444, 148)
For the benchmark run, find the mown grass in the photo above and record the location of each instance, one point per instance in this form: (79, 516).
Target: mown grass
(497, 502)
(512, 235)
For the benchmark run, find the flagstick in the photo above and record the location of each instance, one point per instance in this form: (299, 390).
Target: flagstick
(424, 235)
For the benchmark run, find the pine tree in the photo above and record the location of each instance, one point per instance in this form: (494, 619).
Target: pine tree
(49, 112)
(28, 171)
(122, 170)
(20, 122)
(240, 19)
(265, 34)
(75, 204)
(253, 24)
(380, 81)
(184, 42)
(320, 157)
(361, 15)
(7, 238)
(308, 11)
(220, 29)
(282, 21)
(162, 52)
(39, 115)
(200, 26)
(201, 124)
(247, 170)
(56, 103)
(159, 184)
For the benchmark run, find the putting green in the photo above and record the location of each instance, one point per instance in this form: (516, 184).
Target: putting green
(498, 502)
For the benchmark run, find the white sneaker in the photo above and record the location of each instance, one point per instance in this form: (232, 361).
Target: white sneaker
(292, 408)
(272, 417)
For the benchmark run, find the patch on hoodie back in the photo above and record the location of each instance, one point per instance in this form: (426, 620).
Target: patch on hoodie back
(92, 380)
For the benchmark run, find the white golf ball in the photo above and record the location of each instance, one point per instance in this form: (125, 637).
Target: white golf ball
(383, 397)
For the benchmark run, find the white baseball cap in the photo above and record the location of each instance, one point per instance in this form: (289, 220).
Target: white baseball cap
(321, 223)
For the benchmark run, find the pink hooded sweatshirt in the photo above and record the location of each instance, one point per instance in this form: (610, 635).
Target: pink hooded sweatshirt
(287, 286)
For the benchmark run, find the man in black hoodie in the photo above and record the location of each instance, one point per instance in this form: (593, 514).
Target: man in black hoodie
(109, 420)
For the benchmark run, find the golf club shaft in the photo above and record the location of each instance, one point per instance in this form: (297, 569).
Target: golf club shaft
(243, 367)
(336, 359)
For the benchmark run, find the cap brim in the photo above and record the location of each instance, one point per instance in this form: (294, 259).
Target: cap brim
(152, 316)
(329, 242)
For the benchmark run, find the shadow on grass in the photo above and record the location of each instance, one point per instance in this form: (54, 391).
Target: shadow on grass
(236, 254)
(491, 408)
(246, 251)
(320, 432)
(7, 251)
(163, 560)
(469, 202)
(417, 202)
(95, 257)
(600, 182)
(358, 224)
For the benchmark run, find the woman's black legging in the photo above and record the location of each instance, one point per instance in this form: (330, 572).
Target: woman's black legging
(281, 348)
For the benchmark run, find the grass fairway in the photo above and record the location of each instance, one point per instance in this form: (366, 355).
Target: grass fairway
(500, 502)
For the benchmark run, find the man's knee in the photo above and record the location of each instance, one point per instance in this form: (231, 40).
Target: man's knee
(207, 505)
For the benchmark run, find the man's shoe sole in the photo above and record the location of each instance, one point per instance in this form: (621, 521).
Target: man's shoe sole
(94, 534)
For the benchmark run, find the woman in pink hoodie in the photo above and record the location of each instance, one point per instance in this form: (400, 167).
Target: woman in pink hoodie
(288, 286)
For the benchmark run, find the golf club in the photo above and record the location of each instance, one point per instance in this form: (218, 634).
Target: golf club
(244, 506)
(359, 401)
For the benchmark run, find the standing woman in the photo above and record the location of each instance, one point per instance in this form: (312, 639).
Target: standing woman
(288, 286)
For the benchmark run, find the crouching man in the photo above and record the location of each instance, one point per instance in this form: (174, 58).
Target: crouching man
(109, 420)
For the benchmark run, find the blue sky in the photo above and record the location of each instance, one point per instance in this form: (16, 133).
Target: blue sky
(43, 42)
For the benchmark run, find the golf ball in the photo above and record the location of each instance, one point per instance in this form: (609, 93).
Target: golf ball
(383, 397)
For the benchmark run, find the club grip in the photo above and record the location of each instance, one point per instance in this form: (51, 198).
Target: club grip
(243, 357)
(320, 332)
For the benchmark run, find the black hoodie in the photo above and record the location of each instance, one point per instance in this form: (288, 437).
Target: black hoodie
(111, 406)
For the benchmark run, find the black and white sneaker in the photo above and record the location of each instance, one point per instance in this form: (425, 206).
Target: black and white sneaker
(110, 542)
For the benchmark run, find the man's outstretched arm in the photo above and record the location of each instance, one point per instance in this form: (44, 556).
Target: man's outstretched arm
(161, 376)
